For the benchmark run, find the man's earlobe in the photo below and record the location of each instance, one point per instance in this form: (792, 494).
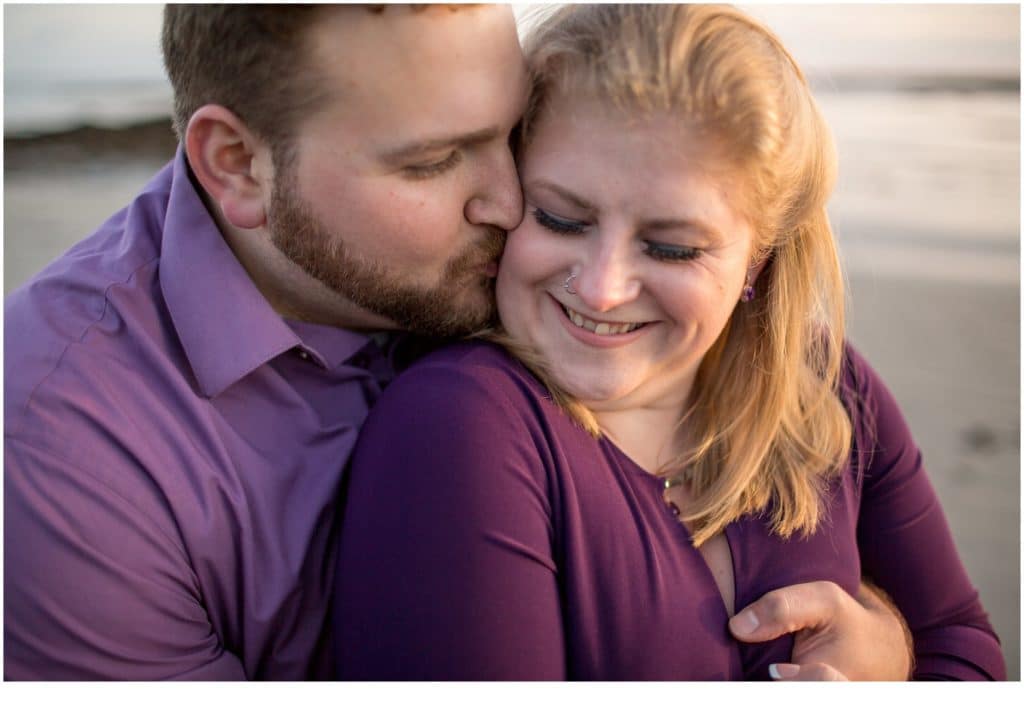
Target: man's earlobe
(231, 164)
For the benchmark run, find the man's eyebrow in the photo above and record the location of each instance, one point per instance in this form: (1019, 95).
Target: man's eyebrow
(417, 148)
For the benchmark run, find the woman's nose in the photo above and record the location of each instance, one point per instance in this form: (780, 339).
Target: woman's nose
(608, 278)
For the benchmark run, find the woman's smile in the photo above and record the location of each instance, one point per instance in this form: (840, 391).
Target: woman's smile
(600, 333)
(630, 259)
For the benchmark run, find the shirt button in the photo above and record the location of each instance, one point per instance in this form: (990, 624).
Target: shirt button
(304, 355)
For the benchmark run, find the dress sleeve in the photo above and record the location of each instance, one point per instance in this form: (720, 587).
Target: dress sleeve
(445, 570)
(92, 588)
(906, 546)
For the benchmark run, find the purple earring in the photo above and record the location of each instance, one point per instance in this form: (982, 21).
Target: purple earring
(748, 290)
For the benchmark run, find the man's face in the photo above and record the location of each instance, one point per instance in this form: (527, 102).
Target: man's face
(401, 189)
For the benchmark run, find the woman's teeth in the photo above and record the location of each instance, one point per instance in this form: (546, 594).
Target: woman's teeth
(600, 328)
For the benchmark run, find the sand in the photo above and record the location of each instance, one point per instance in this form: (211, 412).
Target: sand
(950, 353)
(948, 348)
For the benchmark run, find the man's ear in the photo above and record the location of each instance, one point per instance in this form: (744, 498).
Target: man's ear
(231, 164)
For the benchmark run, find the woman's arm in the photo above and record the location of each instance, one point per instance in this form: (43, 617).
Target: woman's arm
(445, 568)
(907, 549)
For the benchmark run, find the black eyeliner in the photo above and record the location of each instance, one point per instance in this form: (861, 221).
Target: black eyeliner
(559, 226)
(670, 253)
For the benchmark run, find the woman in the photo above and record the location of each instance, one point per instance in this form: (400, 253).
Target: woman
(669, 424)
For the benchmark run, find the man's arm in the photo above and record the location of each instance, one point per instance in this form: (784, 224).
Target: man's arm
(94, 588)
(836, 636)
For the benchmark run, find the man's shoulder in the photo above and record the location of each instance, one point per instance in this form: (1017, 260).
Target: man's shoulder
(91, 320)
(72, 291)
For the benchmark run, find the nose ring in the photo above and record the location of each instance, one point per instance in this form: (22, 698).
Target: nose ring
(568, 283)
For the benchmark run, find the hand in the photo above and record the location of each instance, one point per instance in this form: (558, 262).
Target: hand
(837, 637)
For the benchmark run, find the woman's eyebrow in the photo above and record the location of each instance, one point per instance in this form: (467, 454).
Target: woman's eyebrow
(559, 191)
(713, 234)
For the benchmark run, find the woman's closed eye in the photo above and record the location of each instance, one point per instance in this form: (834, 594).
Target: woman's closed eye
(669, 253)
(557, 224)
(658, 251)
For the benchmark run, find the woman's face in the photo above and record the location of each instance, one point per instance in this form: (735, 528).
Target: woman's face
(651, 229)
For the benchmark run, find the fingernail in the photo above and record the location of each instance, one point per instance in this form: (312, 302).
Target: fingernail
(745, 623)
(783, 670)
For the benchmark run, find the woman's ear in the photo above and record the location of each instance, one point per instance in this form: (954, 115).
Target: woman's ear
(755, 269)
(231, 164)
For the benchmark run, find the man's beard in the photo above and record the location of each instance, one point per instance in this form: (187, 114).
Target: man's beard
(460, 304)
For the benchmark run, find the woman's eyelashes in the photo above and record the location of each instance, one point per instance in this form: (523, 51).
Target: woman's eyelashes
(665, 252)
(557, 224)
(657, 251)
(429, 170)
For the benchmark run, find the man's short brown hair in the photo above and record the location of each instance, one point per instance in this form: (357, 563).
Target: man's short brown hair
(252, 59)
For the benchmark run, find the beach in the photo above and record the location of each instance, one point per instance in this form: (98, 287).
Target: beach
(947, 345)
(950, 354)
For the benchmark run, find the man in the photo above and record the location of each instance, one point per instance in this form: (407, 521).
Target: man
(184, 387)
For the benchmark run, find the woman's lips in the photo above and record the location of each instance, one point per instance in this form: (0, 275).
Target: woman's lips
(591, 338)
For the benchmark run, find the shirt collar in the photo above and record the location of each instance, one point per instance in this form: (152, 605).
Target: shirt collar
(330, 345)
(225, 324)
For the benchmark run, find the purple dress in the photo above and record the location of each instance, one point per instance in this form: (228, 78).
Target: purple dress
(487, 537)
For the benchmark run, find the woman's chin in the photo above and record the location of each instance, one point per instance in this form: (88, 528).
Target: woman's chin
(594, 392)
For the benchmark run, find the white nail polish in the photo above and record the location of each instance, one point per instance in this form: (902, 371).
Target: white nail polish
(747, 623)
(786, 670)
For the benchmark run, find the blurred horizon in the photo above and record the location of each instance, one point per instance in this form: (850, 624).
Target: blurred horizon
(58, 77)
(877, 70)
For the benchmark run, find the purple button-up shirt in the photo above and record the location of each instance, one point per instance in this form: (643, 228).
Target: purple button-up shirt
(173, 449)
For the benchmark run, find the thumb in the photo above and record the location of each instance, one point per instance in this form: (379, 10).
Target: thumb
(787, 610)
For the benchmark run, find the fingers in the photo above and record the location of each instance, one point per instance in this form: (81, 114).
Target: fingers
(813, 672)
(785, 610)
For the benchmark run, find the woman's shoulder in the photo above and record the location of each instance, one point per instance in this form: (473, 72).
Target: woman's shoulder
(862, 389)
(477, 354)
(857, 377)
(469, 362)
(464, 413)
(882, 440)
(466, 378)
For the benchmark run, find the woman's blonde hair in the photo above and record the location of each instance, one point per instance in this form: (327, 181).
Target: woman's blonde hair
(765, 420)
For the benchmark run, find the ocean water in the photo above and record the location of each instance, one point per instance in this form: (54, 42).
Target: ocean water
(928, 183)
(923, 100)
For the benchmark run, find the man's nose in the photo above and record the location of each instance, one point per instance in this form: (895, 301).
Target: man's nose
(498, 198)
